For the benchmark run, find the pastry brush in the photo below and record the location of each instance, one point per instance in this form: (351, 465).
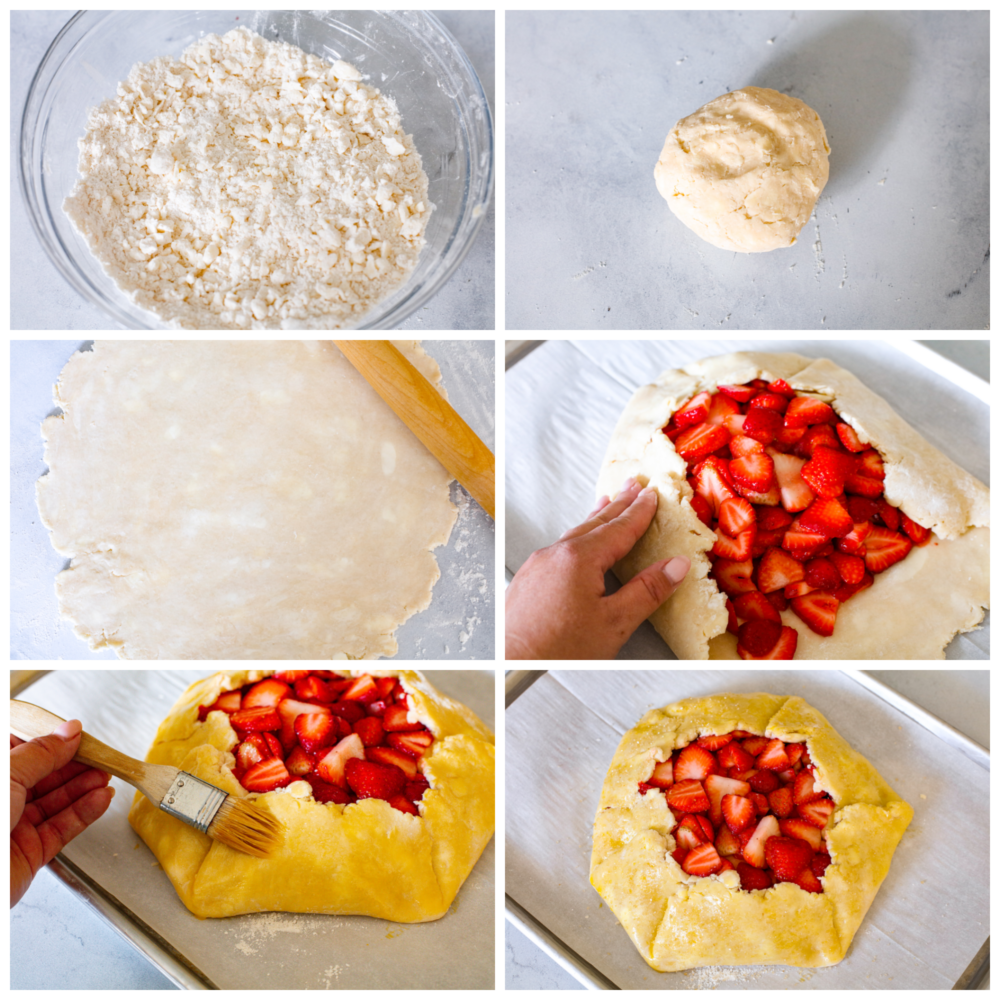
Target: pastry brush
(431, 418)
(233, 822)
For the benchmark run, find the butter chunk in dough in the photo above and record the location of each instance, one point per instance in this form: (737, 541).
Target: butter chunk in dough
(238, 500)
(678, 921)
(914, 608)
(365, 858)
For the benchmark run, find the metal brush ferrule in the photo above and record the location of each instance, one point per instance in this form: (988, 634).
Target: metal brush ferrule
(192, 800)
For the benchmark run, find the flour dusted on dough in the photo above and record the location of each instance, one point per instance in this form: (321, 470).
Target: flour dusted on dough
(249, 185)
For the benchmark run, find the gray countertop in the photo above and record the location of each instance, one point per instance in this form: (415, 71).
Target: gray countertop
(42, 300)
(959, 697)
(899, 238)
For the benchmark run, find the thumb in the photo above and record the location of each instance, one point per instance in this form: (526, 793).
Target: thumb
(38, 758)
(646, 591)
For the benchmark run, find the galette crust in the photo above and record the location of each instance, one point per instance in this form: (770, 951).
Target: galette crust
(366, 858)
(915, 607)
(678, 921)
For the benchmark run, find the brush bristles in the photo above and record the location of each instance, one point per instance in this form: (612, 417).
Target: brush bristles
(244, 827)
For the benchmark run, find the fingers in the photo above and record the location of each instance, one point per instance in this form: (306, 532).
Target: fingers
(616, 538)
(37, 759)
(606, 510)
(645, 592)
(56, 832)
(49, 805)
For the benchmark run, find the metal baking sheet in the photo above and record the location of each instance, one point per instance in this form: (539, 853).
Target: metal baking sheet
(458, 625)
(112, 870)
(929, 925)
(562, 402)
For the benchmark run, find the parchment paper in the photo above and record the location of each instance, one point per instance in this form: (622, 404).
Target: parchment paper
(929, 918)
(562, 402)
(266, 950)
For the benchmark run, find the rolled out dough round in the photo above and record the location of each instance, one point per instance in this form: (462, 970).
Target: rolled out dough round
(745, 170)
(238, 500)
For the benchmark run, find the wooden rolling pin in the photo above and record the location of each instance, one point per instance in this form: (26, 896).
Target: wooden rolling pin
(420, 406)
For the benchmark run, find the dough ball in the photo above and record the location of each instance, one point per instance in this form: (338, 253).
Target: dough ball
(745, 170)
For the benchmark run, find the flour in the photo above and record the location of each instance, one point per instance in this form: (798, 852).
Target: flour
(250, 185)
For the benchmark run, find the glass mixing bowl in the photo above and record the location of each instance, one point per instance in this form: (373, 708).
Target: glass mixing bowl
(409, 56)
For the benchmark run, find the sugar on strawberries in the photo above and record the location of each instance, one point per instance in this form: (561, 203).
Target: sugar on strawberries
(796, 501)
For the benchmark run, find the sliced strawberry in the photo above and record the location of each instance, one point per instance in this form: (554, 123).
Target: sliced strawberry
(918, 534)
(701, 440)
(819, 864)
(694, 762)
(762, 424)
(821, 435)
(821, 574)
(781, 387)
(802, 543)
(764, 781)
(772, 518)
(883, 548)
(711, 481)
(349, 711)
(266, 776)
(689, 833)
(732, 625)
(415, 743)
(362, 689)
(330, 766)
(255, 720)
(849, 437)
(717, 786)
(770, 401)
(765, 540)
(804, 789)
(853, 543)
(752, 474)
(757, 638)
(703, 860)
(741, 446)
(395, 720)
(863, 486)
(808, 881)
(755, 744)
(267, 692)
(788, 439)
(325, 792)
(850, 568)
(251, 751)
(754, 848)
(403, 804)
(888, 514)
(733, 756)
(370, 730)
(777, 570)
(415, 789)
(804, 411)
(702, 508)
(861, 509)
(755, 605)
(313, 689)
(801, 830)
(687, 796)
(827, 470)
(741, 393)
(780, 800)
(290, 676)
(315, 731)
(753, 878)
(726, 842)
(826, 516)
(798, 589)
(772, 498)
(817, 813)
(733, 577)
(229, 702)
(787, 857)
(694, 411)
(736, 549)
(818, 610)
(778, 599)
(397, 758)
(870, 464)
(721, 408)
(736, 515)
(738, 812)
(369, 780)
(663, 774)
(773, 756)
(299, 762)
(713, 743)
(848, 590)
(795, 493)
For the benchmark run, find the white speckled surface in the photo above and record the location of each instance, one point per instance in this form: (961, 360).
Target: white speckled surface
(458, 625)
(899, 239)
(42, 300)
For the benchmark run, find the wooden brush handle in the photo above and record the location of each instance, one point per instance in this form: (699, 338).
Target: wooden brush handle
(420, 406)
(29, 721)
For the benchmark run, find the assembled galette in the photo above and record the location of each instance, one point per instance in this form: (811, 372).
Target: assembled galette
(818, 523)
(384, 786)
(742, 830)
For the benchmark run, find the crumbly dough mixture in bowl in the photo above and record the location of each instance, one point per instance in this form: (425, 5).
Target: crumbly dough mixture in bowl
(745, 170)
(249, 185)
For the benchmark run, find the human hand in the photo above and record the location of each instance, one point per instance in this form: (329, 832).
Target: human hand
(556, 606)
(52, 799)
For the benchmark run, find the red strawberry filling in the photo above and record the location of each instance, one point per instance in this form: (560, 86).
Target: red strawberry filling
(748, 804)
(796, 503)
(350, 738)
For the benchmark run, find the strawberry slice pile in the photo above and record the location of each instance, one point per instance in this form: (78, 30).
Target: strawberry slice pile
(349, 737)
(797, 506)
(746, 803)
